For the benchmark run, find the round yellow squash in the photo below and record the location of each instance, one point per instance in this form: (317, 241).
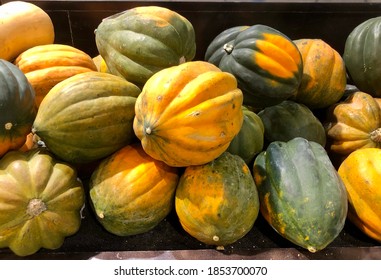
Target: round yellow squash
(188, 114)
(361, 174)
(23, 25)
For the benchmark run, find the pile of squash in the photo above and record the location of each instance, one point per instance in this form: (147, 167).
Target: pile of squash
(264, 125)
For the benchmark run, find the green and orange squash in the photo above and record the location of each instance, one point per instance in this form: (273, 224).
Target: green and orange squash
(87, 117)
(266, 63)
(130, 192)
(41, 201)
(139, 42)
(301, 195)
(217, 203)
(17, 107)
(188, 114)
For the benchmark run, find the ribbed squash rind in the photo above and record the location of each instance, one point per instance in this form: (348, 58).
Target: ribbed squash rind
(188, 114)
(130, 192)
(40, 201)
(266, 63)
(141, 41)
(87, 117)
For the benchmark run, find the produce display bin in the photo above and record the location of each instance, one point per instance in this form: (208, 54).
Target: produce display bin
(75, 22)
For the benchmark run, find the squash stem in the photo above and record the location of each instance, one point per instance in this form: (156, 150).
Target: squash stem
(375, 135)
(35, 207)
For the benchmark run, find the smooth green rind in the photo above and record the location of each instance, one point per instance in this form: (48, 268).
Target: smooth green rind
(250, 139)
(362, 56)
(301, 195)
(288, 120)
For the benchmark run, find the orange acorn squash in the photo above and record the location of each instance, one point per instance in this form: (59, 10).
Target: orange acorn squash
(324, 74)
(353, 124)
(361, 174)
(47, 65)
(131, 192)
(188, 114)
(217, 203)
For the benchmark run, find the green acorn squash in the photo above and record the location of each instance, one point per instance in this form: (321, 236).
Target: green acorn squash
(250, 139)
(139, 42)
(17, 107)
(301, 195)
(87, 117)
(362, 56)
(289, 119)
(266, 63)
(40, 201)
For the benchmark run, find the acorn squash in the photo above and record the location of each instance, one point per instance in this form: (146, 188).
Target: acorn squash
(188, 114)
(361, 174)
(130, 192)
(87, 117)
(217, 203)
(40, 201)
(47, 65)
(353, 123)
(324, 74)
(250, 139)
(266, 63)
(289, 119)
(17, 107)
(362, 56)
(139, 42)
(301, 195)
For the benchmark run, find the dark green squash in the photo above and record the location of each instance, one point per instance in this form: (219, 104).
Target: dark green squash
(250, 139)
(266, 63)
(139, 42)
(301, 194)
(289, 119)
(17, 107)
(362, 56)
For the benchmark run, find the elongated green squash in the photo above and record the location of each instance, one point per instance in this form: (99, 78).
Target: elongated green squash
(301, 194)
